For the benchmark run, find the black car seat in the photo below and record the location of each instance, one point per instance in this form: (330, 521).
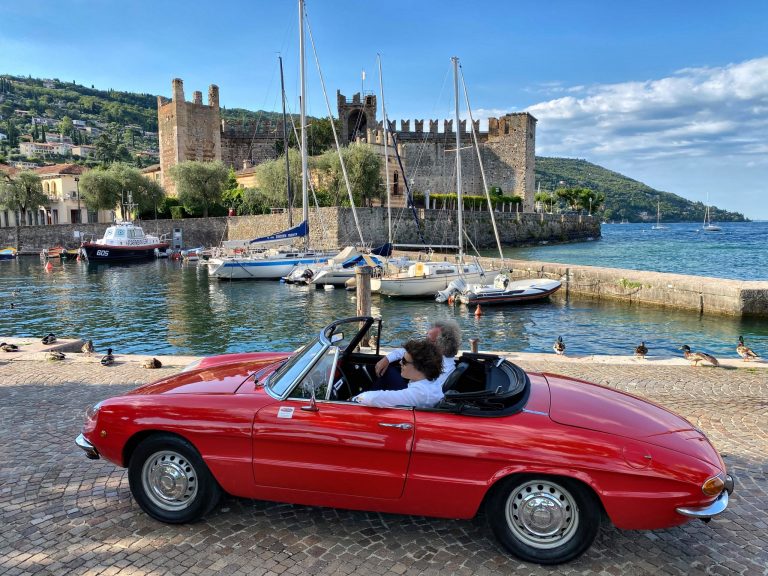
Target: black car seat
(453, 378)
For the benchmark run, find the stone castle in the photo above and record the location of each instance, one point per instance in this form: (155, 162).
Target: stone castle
(196, 131)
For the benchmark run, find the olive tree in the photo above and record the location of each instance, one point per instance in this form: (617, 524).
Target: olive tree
(22, 192)
(363, 168)
(200, 184)
(109, 188)
(271, 177)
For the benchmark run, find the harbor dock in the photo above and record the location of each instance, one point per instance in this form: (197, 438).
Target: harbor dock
(64, 514)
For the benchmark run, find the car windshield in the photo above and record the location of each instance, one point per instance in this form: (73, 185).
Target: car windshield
(287, 374)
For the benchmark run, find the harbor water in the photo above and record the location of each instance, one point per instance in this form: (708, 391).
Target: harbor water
(167, 307)
(738, 252)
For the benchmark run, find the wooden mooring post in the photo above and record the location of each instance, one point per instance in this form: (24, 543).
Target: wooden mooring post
(363, 279)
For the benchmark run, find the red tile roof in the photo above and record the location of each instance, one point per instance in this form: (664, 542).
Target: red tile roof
(73, 169)
(7, 169)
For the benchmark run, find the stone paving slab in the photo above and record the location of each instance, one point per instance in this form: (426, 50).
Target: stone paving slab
(63, 514)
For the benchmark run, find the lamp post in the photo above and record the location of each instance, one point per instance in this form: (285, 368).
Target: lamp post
(79, 214)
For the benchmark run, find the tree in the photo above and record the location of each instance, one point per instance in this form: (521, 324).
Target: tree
(12, 133)
(66, 126)
(42, 133)
(23, 192)
(108, 188)
(272, 182)
(199, 184)
(364, 171)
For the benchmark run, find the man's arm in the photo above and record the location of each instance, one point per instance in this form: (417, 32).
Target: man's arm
(383, 364)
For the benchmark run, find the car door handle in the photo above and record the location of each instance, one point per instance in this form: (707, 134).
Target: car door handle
(401, 425)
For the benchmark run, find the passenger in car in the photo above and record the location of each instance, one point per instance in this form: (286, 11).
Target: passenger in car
(445, 334)
(422, 365)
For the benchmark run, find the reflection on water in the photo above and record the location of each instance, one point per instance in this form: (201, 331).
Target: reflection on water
(165, 307)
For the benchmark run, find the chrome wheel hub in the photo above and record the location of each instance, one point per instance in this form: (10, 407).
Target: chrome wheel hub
(542, 514)
(169, 480)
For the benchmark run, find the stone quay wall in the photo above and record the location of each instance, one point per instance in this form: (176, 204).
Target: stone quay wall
(332, 227)
(33, 239)
(336, 227)
(695, 293)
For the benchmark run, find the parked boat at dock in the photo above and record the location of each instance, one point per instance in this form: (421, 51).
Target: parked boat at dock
(123, 242)
(7, 253)
(502, 291)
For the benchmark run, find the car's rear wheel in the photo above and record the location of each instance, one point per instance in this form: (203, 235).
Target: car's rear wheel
(543, 519)
(170, 481)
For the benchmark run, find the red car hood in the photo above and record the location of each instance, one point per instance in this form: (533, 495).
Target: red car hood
(594, 407)
(216, 377)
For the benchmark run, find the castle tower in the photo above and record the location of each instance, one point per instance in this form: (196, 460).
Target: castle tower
(357, 117)
(511, 154)
(187, 130)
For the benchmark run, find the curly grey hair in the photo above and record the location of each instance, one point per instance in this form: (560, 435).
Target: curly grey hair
(449, 340)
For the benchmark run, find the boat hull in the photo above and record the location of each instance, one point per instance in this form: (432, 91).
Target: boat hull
(422, 286)
(521, 291)
(258, 268)
(110, 253)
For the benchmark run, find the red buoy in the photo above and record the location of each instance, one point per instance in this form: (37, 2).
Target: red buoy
(478, 311)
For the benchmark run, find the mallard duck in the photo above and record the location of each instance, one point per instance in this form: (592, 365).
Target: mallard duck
(641, 350)
(696, 357)
(88, 348)
(744, 352)
(50, 339)
(108, 359)
(8, 347)
(152, 363)
(55, 355)
(559, 346)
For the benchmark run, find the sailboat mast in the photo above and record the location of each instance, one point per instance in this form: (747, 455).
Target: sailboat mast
(303, 122)
(459, 197)
(285, 149)
(386, 152)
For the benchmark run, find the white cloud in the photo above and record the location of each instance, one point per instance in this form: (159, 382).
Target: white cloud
(696, 112)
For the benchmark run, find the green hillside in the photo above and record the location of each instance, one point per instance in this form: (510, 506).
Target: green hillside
(624, 198)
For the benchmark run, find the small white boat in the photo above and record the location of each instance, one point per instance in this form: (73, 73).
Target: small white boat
(659, 225)
(503, 291)
(708, 226)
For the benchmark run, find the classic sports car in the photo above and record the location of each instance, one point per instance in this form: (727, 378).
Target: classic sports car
(547, 456)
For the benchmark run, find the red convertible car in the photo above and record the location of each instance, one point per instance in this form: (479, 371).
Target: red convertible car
(546, 456)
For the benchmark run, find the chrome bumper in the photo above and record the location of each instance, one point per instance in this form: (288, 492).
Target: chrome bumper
(713, 509)
(90, 451)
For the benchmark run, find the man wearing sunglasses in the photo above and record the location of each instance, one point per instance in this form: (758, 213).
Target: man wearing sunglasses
(422, 364)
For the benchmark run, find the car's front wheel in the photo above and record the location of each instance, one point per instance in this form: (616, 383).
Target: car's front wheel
(542, 519)
(170, 481)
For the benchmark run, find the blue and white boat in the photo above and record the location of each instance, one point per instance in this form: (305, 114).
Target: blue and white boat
(254, 260)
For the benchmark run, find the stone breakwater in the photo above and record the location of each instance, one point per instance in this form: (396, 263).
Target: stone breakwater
(695, 293)
(333, 227)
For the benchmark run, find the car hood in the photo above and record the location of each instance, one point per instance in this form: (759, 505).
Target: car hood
(594, 407)
(216, 378)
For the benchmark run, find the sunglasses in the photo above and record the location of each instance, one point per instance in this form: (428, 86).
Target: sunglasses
(404, 362)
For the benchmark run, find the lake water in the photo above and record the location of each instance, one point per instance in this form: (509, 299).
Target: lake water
(164, 307)
(739, 252)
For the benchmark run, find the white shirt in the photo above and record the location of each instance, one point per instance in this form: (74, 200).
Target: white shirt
(449, 364)
(419, 394)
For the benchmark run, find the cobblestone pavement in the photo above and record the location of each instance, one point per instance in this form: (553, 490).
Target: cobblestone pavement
(63, 514)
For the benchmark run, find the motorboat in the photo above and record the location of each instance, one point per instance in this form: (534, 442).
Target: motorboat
(7, 253)
(339, 270)
(502, 291)
(123, 242)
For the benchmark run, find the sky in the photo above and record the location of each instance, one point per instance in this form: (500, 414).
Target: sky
(671, 93)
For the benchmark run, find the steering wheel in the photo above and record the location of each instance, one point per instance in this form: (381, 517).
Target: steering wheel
(340, 376)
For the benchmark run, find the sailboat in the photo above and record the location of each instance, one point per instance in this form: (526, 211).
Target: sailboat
(254, 260)
(659, 225)
(708, 226)
(428, 278)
